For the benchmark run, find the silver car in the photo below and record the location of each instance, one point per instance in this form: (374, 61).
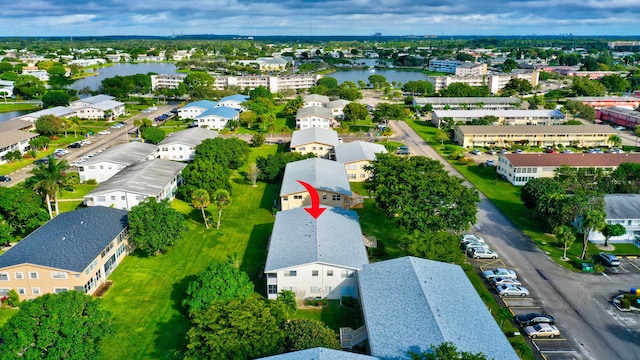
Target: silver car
(483, 253)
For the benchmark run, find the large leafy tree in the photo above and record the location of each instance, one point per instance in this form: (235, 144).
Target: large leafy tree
(49, 125)
(612, 230)
(519, 86)
(68, 325)
(199, 85)
(464, 90)
(583, 86)
(55, 98)
(385, 112)
(419, 87)
(355, 111)
(155, 226)
(153, 135)
(615, 83)
(28, 87)
(536, 188)
(22, 210)
(439, 246)
(420, 195)
(49, 179)
(377, 81)
(236, 329)
(301, 334)
(218, 281)
(272, 167)
(202, 174)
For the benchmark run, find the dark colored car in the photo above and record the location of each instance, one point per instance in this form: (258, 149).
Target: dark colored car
(75, 145)
(44, 160)
(608, 259)
(4, 178)
(550, 151)
(534, 318)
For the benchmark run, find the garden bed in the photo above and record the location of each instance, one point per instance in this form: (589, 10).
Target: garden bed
(625, 302)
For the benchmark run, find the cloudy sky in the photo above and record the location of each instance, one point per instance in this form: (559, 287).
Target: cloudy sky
(318, 17)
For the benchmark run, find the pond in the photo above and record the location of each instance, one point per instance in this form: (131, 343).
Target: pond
(13, 114)
(399, 76)
(94, 82)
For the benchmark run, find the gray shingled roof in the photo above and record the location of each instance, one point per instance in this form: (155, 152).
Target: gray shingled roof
(411, 303)
(322, 174)
(146, 178)
(125, 154)
(622, 206)
(12, 137)
(314, 135)
(358, 151)
(96, 99)
(535, 129)
(334, 238)
(70, 241)
(336, 104)
(107, 105)
(15, 124)
(58, 111)
(315, 97)
(191, 137)
(308, 111)
(319, 354)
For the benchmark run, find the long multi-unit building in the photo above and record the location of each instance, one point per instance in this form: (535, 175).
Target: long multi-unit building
(620, 116)
(495, 82)
(500, 136)
(459, 68)
(608, 101)
(503, 117)
(273, 83)
(468, 103)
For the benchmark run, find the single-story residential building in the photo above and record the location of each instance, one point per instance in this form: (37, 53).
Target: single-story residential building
(314, 100)
(407, 306)
(154, 178)
(355, 156)
(181, 145)
(271, 63)
(315, 116)
(58, 111)
(314, 140)
(504, 117)
(76, 250)
(15, 137)
(320, 353)
(520, 168)
(468, 103)
(328, 177)
(623, 209)
(620, 116)
(499, 136)
(109, 162)
(315, 258)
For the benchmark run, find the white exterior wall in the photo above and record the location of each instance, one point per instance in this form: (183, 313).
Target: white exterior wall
(190, 112)
(320, 150)
(305, 284)
(125, 200)
(90, 113)
(177, 152)
(632, 235)
(230, 103)
(214, 122)
(23, 146)
(313, 122)
(100, 172)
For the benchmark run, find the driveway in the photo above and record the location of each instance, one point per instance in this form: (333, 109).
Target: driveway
(580, 302)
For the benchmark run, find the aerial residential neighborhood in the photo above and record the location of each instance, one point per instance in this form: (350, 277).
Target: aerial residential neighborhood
(273, 196)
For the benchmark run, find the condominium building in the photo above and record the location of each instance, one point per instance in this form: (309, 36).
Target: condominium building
(167, 81)
(503, 117)
(620, 116)
(468, 103)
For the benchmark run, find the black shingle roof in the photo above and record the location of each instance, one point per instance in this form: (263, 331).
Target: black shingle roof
(70, 241)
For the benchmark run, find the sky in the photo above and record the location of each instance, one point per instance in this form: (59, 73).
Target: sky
(317, 17)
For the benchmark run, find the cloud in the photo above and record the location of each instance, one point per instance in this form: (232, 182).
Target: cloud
(332, 17)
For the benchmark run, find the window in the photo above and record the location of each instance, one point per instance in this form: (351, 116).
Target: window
(324, 196)
(315, 289)
(329, 272)
(140, 197)
(297, 197)
(113, 197)
(352, 176)
(352, 167)
(4, 292)
(58, 275)
(346, 274)
(335, 197)
(291, 273)
(272, 275)
(22, 291)
(33, 275)
(60, 290)
(18, 275)
(102, 198)
(328, 289)
(272, 289)
(314, 272)
(4, 276)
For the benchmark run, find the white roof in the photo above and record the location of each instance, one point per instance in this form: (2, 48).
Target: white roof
(358, 151)
(314, 135)
(478, 113)
(322, 174)
(193, 137)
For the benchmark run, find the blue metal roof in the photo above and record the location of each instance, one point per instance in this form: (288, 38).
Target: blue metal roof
(222, 111)
(238, 97)
(70, 241)
(320, 354)
(206, 104)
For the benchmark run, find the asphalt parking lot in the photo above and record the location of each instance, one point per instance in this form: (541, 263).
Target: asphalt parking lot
(629, 265)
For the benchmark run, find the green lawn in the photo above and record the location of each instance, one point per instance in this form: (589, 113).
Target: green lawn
(16, 107)
(333, 315)
(147, 291)
(6, 314)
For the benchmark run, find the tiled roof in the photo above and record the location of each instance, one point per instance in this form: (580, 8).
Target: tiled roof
(192, 137)
(535, 129)
(411, 304)
(358, 151)
(622, 206)
(319, 354)
(309, 111)
(125, 154)
(574, 160)
(334, 238)
(70, 241)
(147, 178)
(322, 174)
(314, 135)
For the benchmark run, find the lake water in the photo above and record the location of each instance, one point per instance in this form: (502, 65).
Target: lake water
(94, 82)
(398, 76)
(12, 114)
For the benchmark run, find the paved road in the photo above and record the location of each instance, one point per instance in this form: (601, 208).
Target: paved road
(580, 302)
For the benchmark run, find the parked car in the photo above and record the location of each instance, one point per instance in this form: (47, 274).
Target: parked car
(471, 238)
(490, 163)
(44, 160)
(104, 132)
(403, 150)
(550, 150)
(518, 151)
(75, 145)
(499, 272)
(4, 178)
(615, 151)
(512, 290)
(542, 330)
(475, 152)
(534, 318)
(491, 152)
(474, 245)
(503, 151)
(608, 259)
(482, 253)
(567, 151)
(504, 281)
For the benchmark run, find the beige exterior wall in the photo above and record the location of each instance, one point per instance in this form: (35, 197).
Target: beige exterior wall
(302, 199)
(31, 281)
(320, 150)
(313, 280)
(541, 140)
(356, 172)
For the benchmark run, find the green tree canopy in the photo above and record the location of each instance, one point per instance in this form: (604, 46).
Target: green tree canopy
(199, 85)
(155, 226)
(385, 112)
(55, 98)
(272, 167)
(355, 112)
(464, 90)
(22, 209)
(28, 87)
(236, 329)
(417, 193)
(612, 230)
(446, 351)
(218, 281)
(153, 135)
(68, 325)
(520, 86)
(301, 334)
(536, 188)
(328, 82)
(583, 86)
(49, 125)
(419, 87)
(439, 246)
(615, 83)
(377, 81)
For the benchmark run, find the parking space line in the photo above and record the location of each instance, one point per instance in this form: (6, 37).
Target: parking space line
(631, 263)
(607, 276)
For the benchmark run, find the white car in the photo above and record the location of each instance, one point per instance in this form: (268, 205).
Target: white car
(542, 330)
(482, 253)
(471, 237)
(499, 272)
(505, 281)
(104, 132)
(512, 290)
(61, 151)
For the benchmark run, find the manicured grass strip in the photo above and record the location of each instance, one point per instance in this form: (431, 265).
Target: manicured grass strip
(6, 314)
(17, 107)
(333, 315)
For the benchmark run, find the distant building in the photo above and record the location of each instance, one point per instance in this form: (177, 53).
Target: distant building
(166, 81)
(211, 114)
(623, 209)
(619, 116)
(468, 103)
(608, 101)
(98, 107)
(503, 117)
(275, 63)
(181, 145)
(14, 136)
(495, 81)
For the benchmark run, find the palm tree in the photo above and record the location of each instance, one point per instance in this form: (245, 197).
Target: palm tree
(221, 199)
(200, 200)
(50, 179)
(592, 220)
(564, 234)
(74, 122)
(142, 124)
(615, 140)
